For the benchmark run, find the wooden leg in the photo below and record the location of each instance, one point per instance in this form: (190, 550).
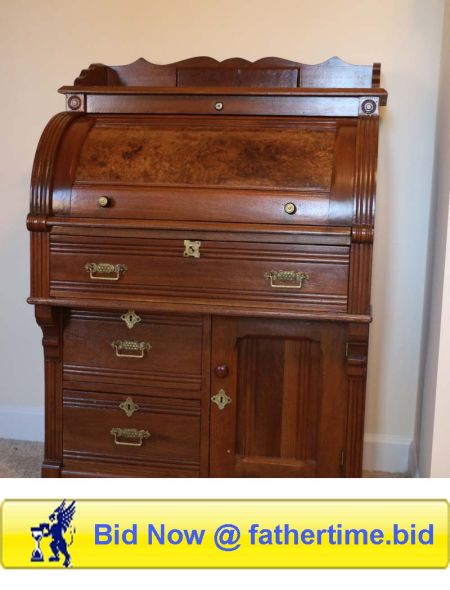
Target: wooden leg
(50, 320)
(357, 344)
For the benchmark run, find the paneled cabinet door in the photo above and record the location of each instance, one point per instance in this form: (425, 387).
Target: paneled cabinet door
(278, 398)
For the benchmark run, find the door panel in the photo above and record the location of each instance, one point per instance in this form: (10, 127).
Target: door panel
(286, 381)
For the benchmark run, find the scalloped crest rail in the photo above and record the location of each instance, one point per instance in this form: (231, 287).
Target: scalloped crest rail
(205, 71)
(228, 208)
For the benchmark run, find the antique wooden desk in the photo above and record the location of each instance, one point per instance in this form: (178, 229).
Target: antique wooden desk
(201, 244)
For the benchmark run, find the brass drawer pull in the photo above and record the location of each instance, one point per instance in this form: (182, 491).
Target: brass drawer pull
(279, 279)
(130, 348)
(290, 208)
(96, 269)
(130, 433)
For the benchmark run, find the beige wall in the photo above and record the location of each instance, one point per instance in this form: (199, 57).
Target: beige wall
(45, 43)
(434, 456)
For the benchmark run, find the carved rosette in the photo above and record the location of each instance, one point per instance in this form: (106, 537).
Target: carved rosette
(75, 102)
(369, 106)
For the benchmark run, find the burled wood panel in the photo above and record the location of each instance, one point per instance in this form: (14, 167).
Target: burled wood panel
(231, 156)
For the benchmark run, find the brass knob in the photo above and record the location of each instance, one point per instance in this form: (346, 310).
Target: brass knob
(221, 370)
(290, 208)
(103, 201)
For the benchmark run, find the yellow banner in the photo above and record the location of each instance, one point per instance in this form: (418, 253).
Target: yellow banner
(224, 534)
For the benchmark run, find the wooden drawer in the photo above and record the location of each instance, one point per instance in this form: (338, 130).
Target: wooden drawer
(294, 276)
(159, 351)
(161, 432)
(199, 204)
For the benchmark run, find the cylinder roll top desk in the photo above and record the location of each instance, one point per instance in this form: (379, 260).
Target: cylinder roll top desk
(201, 245)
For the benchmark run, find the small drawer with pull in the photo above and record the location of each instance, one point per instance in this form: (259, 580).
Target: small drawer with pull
(156, 430)
(150, 350)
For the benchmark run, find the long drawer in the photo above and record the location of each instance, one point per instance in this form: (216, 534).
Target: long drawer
(134, 350)
(188, 204)
(131, 433)
(296, 276)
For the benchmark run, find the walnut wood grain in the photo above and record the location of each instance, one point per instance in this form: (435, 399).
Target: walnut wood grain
(271, 166)
(159, 268)
(44, 163)
(252, 232)
(50, 319)
(286, 418)
(173, 362)
(334, 85)
(206, 71)
(203, 153)
(41, 198)
(356, 358)
(173, 426)
(364, 215)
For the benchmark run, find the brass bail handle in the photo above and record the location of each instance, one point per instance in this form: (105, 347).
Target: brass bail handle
(286, 279)
(104, 271)
(130, 348)
(132, 434)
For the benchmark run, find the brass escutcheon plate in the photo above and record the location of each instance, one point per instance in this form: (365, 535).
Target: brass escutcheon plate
(129, 407)
(131, 318)
(221, 399)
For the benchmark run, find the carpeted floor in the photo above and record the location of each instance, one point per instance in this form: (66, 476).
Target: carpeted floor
(20, 458)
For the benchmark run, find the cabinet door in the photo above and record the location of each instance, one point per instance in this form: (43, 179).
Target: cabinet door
(278, 405)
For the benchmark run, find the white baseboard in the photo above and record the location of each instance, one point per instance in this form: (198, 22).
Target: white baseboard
(381, 452)
(22, 423)
(391, 453)
(413, 460)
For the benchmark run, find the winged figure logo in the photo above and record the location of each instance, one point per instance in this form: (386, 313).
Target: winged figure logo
(60, 522)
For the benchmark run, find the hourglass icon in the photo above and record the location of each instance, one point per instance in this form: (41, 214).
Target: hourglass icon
(37, 533)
